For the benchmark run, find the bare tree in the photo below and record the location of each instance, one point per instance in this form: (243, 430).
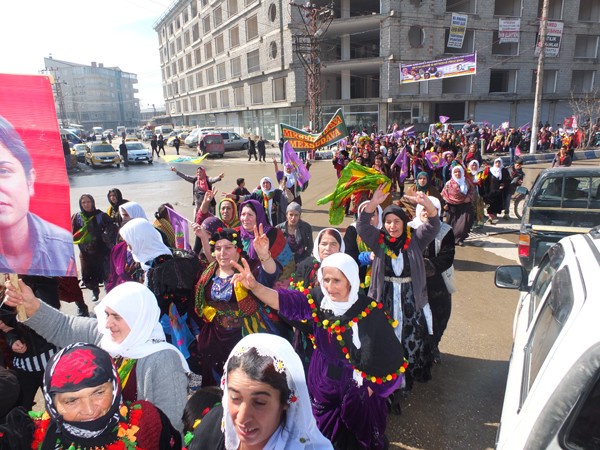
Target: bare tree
(586, 107)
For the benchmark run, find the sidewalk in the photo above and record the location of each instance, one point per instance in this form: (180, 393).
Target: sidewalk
(547, 156)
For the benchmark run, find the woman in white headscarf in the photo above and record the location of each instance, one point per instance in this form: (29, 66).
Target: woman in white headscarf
(261, 368)
(131, 210)
(496, 187)
(272, 199)
(127, 327)
(459, 193)
(479, 176)
(357, 363)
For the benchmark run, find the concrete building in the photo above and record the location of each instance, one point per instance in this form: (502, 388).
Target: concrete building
(231, 63)
(94, 95)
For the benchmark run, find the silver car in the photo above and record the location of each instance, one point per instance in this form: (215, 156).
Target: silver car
(234, 141)
(138, 152)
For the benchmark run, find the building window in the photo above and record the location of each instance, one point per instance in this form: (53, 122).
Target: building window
(549, 82)
(507, 49)
(210, 76)
(457, 85)
(202, 102)
(199, 82)
(172, 47)
(468, 43)
(232, 7)
(194, 104)
(248, 2)
(206, 24)
(582, 81)
(195, 32)
(416, 36)
(182, 88)
(186, 38)
(218, 16)
(219, 44)
(507, 8)
(194, 11)
(208, 50)
(180, 65)
(555, 9)
(224, 94)
(256, 93)
(253, 60)
(174, 68)
(503, 81)
(238, 96)
(190, 82)
(198, 55)
(589, 11)
(188, 61)
(251, 28)
(279, 94)
(273, 50)
(586, 46)
(168, 72)
(178, 41)
(234, 37)
(212, 97)
(461, 6)
(221, 73)
(272, 12)
(236, 66)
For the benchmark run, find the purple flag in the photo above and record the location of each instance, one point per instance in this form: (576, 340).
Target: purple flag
(181, 229)
(434, 161)
(524, 127)
(291, 157)
(444, 119)
(402, 162)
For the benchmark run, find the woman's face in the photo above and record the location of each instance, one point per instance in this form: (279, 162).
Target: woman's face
(16, 187)
(473, 168)
(86, 404)
(497, 163)
(393, 225)
(112, 197)
(248, 219)
(328, 245)
(225, 252)
(117, 326)
(422, 181)
(254, 407)
(424, 216)
(266, 185)
(124, 216)
(456, 173)
(226, 210)
(200, 172)
(336, 284)
(86, 204)
(293, 217)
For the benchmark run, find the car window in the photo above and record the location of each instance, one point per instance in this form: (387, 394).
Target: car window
(584, 431)
(225, 135)
(102, 148)
(213, 139)
(550, 321)
(235, 136)
(546, 272)
(135, 146)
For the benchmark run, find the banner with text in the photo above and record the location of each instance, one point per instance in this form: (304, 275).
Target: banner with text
(554, 31)
(458, 28)
(442, 68)
(333, 132)
(508, 30)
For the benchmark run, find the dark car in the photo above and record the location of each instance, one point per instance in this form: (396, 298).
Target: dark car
(563, 201)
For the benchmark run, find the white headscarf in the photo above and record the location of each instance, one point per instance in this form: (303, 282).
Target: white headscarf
(474, 173)
(134, 210)
(349, 268)
(316, 246)
(144, 240)
(300, 430)
(462, 183)
(417, 222)
(497, 171)
(379, 214)
(270, 201)
(137, 305)
(289, 177)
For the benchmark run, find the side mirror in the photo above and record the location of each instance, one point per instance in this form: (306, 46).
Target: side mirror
(522, 190)
(511, 277)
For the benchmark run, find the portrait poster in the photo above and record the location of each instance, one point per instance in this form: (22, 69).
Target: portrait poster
(35, 230)
(456, 66)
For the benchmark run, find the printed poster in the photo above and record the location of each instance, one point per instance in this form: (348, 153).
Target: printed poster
(458, 28)
(554, 31)
(333, 132)
(442, 68)
(508, 30)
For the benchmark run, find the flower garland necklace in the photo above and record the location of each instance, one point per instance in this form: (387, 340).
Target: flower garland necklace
(337, 328)
(126, 430)
(387, 250)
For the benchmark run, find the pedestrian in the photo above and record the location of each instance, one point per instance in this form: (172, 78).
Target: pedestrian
(262, 149)
(515, 176)
(161, 144)
(176, 144)
(67, 152)
(511, 143)
(496, 187)
(123, 152)
(281, 149)
(154, 146)
(252, 149)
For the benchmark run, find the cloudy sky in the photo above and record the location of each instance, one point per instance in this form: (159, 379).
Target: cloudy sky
(114, 32)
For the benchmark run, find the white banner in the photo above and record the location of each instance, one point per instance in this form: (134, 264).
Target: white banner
(458, 27)
(508, 30)
(554, 31)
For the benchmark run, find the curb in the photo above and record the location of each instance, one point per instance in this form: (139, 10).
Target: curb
(548, 157)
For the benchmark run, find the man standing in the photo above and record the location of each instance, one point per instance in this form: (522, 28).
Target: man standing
(262, 149)
(512, 141)
(154, 146)
(252, 149)
(161, 144)
(67, 152)
(281, 142)
(176, 143)
(123, 152)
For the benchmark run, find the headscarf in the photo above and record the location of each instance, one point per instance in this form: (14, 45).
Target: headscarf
(339, 238)
(137, 305)
(260, 219)
(212, 224)
(84, 234)
(397, 245)
(300, 429)
(379, 214)
(462, 183)
(417, 222)
(134, 210)
(235, 222)
(497, 171)
(119, 196)
(75, 367)
(267, 196)
(202, 182)
(290, 176)
(473, 172)
(94, 210)
(418, 186)
(144, 240)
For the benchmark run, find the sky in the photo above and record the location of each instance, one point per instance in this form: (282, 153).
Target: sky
(117, 33)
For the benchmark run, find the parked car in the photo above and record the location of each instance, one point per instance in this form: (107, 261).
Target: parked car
(79, 151)
(563, 201)
(101, 154)
(213, 145)
(552, 398)
(147, 135)
(234, 141)
(192, 139)
(138, 152)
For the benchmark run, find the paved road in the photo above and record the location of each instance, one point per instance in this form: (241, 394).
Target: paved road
(460, 408)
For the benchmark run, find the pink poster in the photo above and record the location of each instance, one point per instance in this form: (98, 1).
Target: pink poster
(35, 235)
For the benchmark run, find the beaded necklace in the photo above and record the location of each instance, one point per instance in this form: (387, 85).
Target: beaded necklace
(387, 250)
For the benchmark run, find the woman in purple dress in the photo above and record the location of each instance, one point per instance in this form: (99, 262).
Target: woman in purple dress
(357, 362)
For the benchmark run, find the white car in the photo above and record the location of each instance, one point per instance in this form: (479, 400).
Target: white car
(552, 398)
(138, 152)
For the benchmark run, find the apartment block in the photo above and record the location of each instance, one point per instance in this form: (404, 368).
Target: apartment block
(231, 63)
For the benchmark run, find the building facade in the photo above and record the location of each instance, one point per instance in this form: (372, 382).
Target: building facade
(231, 63)
(93, 95)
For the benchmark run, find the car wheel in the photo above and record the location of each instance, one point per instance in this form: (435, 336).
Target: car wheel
(150, 162)
(118, 166)
(245, 146)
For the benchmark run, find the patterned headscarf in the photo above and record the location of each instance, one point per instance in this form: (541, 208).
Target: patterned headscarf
(261, 218)
(235, 222)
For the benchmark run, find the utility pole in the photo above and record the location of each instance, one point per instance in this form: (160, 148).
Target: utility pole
(307, 46)
(539, 81)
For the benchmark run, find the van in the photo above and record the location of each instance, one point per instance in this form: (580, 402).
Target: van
(121, 130)
(70, 136)
(163, 129)
(212, 144)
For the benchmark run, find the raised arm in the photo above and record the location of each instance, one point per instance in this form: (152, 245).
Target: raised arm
(269, 297)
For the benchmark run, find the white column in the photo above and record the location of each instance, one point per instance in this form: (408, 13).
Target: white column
(345, 74)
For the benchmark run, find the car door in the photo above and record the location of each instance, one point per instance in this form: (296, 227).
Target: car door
(227, 140)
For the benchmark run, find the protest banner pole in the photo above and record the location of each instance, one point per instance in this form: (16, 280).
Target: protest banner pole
(14, 280)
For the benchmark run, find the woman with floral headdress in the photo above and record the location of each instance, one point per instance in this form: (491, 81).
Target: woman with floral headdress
(398, 276)
(459, 193)
(85, 409)
(479, 176)
(265, 402)
(357, 362)
(272, 199)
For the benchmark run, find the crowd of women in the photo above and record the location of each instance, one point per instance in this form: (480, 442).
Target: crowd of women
(258, 336)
